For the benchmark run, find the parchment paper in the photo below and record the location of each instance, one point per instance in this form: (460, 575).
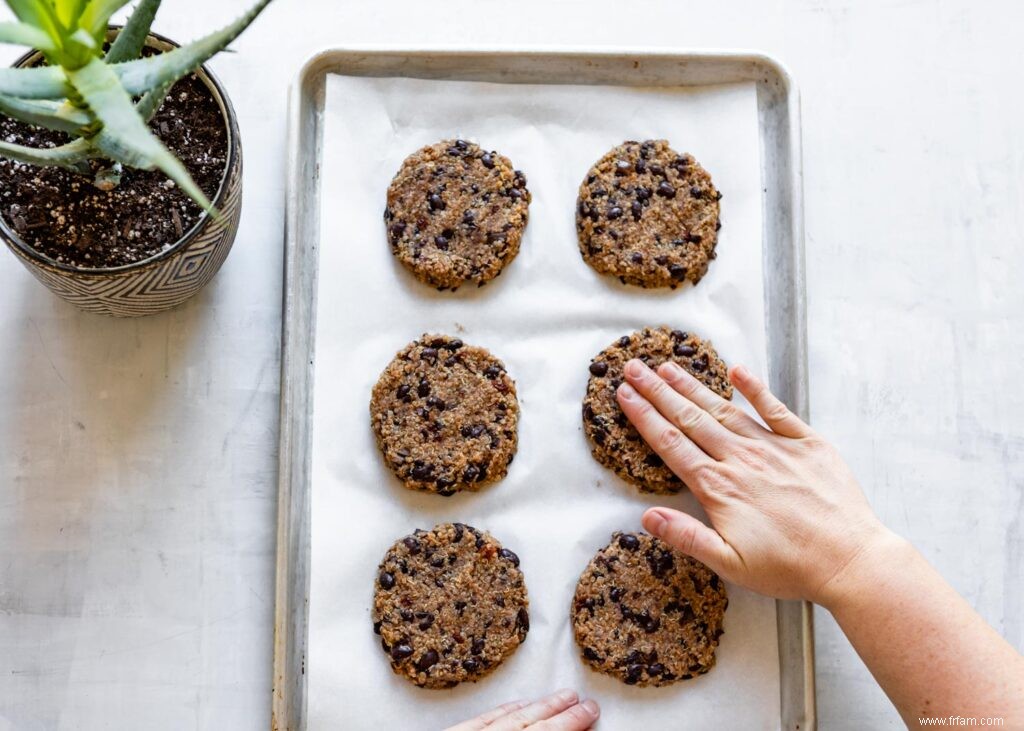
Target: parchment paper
(546, 316)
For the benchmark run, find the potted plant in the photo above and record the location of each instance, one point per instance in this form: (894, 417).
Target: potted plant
(120, 159)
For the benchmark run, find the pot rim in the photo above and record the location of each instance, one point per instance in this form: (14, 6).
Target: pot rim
(228, 114)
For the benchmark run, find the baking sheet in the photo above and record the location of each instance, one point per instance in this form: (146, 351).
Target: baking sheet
(545, 317)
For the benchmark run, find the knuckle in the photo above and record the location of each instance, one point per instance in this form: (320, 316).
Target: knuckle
(777, 411)
(669, 440)
(687, 418)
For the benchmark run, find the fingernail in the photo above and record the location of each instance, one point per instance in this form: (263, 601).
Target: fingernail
(627, 392)
(634, 368)
(672, 370)
(566, 695)
(591, 707)
(654, 522)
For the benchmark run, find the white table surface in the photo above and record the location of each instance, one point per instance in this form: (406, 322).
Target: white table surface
(138, 458)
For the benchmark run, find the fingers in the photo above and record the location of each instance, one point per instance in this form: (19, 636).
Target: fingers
(486, 719)
(680, 454)
(694, 421)
(775, 414)
(574, 718)
(536, 712)
(689, 535)
(728, 415)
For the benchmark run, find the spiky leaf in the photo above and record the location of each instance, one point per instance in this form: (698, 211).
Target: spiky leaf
(124, 137)
(96, 16)
(58, 116)
(130, 41)
(23, 34)
(73, 156)
(43, 82)
(139, 76)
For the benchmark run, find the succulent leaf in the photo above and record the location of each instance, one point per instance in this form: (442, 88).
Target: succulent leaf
(24, 34)
(51, 115)
(72, 156)
(139, 76)
(125, 138)
(41, 14)
(68, 11)
(130, 41)
(96, 16)
(42, 82)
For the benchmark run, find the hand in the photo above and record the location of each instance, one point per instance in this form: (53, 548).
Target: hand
(560, 711)
(787, 514)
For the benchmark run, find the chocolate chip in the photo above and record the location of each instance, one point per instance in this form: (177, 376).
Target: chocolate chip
(403, 393)
(657, 169)
(636, 257)
(680, 335)
(655, 669)
(591, 654)
(470, 473)
(436, 403)
(423, 389)
(478, 646)
(653, 460)
(412, 543)
(471, 431)
(488, 160)
(641, 166)
(435, 203)
(622, 167)
(615, 594)
(624, 341)
(677, 272)
(400, 652)
(637, 210)
(441, 242)
(683, 350)
(509, 556)
(693, 238)
(665, 189)
(614, 212)
(700, 364)
(470, 665)
(427, 660)
(629, 542)
(426, 622)
(406, 615)
(429, 355)
(492, 372)
(386, 580)
(660, 561)
(469, 218)
(696, 192)
(599, 368)
(661, 260)
(376, 628)
(397, 229)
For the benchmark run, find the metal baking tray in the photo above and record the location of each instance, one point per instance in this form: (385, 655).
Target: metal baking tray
(783, 245)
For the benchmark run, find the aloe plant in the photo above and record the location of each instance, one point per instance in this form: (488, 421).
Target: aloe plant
(101, 98)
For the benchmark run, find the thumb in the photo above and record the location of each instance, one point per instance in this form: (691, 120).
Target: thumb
(687, 534)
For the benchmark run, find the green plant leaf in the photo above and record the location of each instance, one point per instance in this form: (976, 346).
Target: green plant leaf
(68, 11)
(51, 115)
(130, 41)
(124, 137)
(139, 76)
(42, 82)
(23, 34)
(41, 14)
(73, 156)
(96, 16)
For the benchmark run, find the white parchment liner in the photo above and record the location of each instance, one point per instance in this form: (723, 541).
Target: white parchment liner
(546, 316)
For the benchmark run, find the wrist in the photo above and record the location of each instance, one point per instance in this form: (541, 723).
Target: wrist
(861, 574)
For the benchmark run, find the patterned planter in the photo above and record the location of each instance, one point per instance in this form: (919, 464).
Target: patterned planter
(169, 278)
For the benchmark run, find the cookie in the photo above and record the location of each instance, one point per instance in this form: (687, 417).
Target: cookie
(648, 215)
(456, 213)
(646, 614)
(614, 441)
(450, 605)
(445, 416)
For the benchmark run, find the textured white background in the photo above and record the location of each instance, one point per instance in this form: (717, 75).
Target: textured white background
(137, 459)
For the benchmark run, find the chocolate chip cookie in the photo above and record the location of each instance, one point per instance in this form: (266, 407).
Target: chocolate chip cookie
(456, 213)
(450, 605)
(646, 614)
(614, 441)
(648, 215)
(445, 416)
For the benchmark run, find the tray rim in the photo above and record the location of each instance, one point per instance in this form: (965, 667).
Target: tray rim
(785, 306)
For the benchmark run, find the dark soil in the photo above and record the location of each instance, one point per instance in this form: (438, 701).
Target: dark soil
(64, 216)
